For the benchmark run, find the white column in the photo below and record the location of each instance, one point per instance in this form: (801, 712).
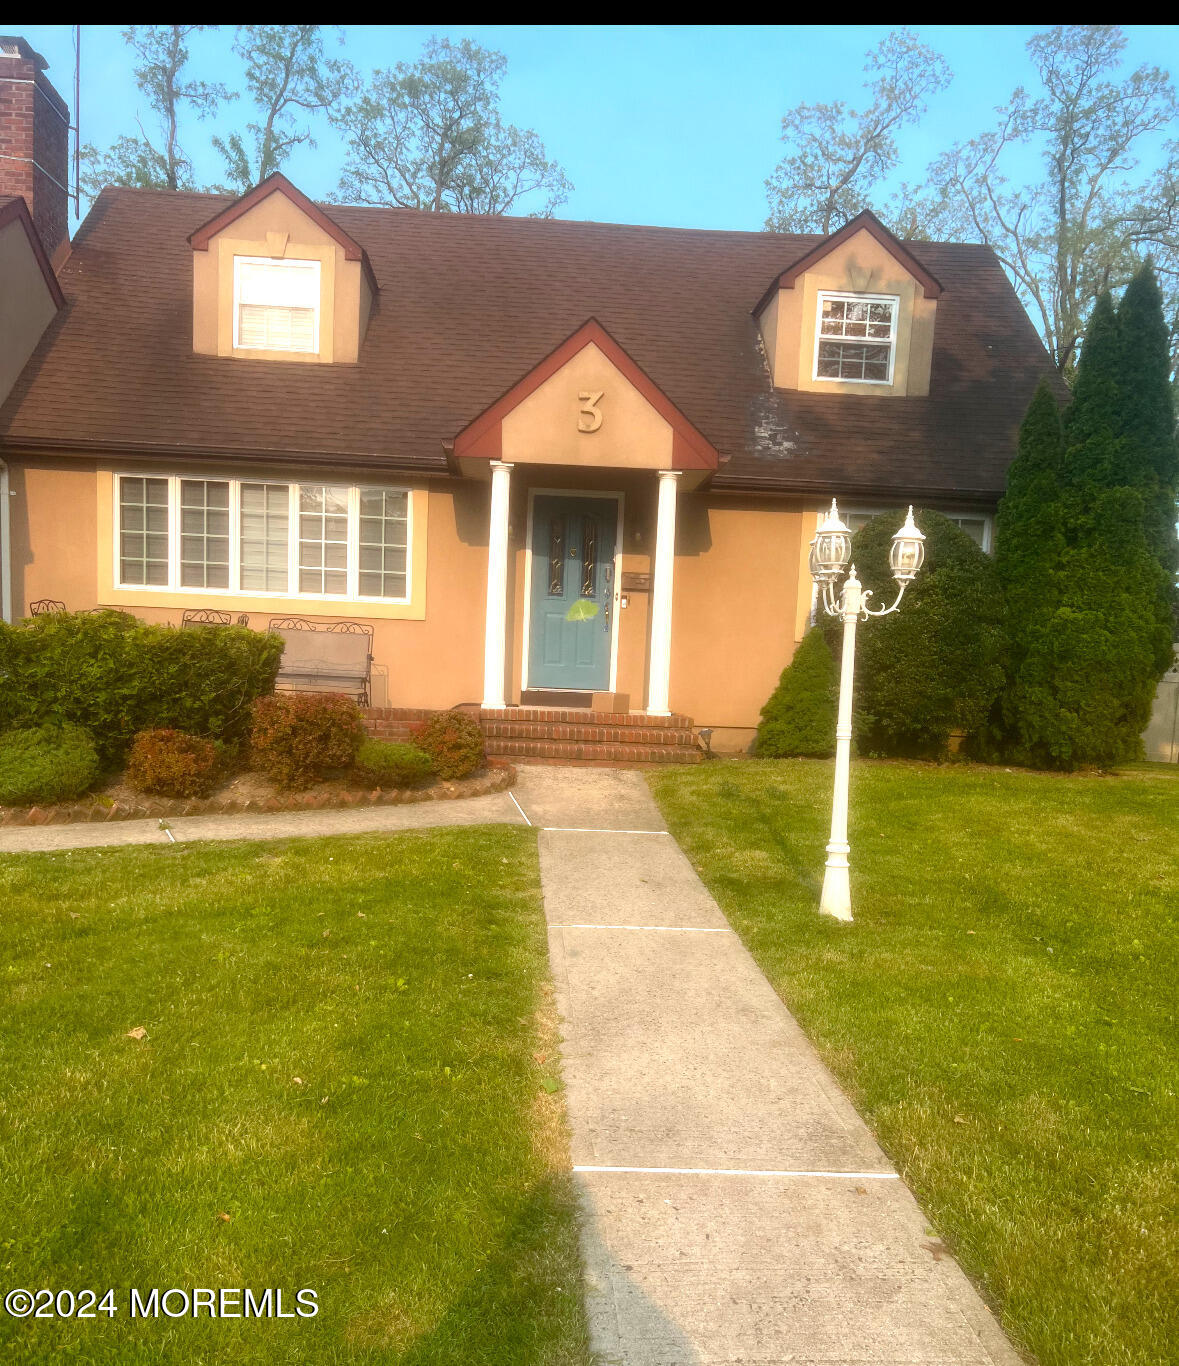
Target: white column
(658, 691)
(494, 649)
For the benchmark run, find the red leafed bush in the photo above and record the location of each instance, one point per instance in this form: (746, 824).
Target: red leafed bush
(298, 736)
(454, 742)
(172, 764)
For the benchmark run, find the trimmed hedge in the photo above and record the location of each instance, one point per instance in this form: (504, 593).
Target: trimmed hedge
(115, 676)
(936, 665)
(454, 742)
(388, 764)
(799, 718)
(172, 764)
(297, 737)
(46, 764)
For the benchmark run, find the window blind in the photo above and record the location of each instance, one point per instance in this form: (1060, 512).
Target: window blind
(277, 305)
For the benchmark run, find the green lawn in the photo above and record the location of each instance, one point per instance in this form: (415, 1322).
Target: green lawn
(1003, 1012)
(347, 1084)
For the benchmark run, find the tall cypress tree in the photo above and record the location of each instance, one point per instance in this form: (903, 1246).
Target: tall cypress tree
(1091, 662)
(1029, 542)
(1148, 426)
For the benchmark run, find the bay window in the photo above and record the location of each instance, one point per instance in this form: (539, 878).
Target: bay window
(247, 537)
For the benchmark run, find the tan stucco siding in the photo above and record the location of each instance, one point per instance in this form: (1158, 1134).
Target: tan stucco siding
(26, 305)
(860, 265)
(739, 606)
(279, 230)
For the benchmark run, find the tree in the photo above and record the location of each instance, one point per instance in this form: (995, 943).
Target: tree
(1082, 225)
(936, 666)
(799, 717)
(289, 79)
(1029, 542)
(1149, 419)
(1090, 638)
(156, 161)
(836, 157)
(429, 135)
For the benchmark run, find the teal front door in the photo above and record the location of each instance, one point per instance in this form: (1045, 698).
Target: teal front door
(570, 625)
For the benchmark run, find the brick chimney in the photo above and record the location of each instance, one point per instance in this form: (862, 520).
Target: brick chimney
(34, 141)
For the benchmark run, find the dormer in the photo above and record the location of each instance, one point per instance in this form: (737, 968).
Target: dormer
(275, 278)
(854, 315)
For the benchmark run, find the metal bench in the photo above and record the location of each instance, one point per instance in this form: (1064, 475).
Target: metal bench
(325, 658)
(45, 607)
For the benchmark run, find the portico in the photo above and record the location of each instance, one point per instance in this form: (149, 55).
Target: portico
(559, 451)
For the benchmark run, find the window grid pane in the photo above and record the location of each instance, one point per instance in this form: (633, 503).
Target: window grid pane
(861, 335)
(383, 543)
(204, 533)
(323, 539)
(143, 531)
(264, 548)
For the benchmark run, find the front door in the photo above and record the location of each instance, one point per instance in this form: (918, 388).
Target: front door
(572, 600)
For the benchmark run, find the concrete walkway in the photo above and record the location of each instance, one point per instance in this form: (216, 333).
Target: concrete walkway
(737, 1208)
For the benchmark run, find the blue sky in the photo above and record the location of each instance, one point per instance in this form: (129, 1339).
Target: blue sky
(672, 126)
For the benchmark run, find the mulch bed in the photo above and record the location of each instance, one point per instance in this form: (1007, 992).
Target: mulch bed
(250, 792)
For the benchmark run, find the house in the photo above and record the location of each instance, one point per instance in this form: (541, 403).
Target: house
(561, 468)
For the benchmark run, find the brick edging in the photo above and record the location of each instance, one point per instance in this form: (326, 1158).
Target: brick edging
(498, 777)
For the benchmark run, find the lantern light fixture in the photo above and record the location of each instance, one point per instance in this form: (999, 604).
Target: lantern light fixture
(907, 552)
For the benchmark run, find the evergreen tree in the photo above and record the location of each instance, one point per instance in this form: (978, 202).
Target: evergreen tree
(1029, 543)
(799, 718)
(1148, 422)
(1090, 652)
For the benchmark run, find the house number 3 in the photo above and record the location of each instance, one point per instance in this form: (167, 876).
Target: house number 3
(589, 415)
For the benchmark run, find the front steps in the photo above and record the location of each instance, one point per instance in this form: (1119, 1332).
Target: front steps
(559, 735)
(575, 736)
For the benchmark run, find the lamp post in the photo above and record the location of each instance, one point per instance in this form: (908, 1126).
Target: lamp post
(830, 554)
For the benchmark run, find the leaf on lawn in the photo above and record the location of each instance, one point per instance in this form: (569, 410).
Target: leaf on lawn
(550, 1084)
(298, 1081)
(137, 1033)
(960, 1119)
(540, 1057)
(223, 1217)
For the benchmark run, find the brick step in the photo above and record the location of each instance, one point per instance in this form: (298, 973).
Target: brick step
(568, 751)
(576, 716)
(596, 735)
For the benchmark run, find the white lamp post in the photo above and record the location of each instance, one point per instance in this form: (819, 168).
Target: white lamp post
(830, 553)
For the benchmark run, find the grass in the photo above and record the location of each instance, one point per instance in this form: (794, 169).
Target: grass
(1002, 1012)
(346, 1084)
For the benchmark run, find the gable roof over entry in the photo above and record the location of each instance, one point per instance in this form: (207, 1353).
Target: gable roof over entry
(688, 449)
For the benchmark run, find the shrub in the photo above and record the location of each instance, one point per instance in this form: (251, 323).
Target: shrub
(454, 742)
(935, 666)
(46, 764)
(297, 736)
(116, 676)
(172, 764)
(391, 765)
(799, 718)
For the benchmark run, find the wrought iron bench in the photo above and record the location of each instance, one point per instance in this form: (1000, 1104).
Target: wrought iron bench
(325, 658)
(211, 616)
(44, 607)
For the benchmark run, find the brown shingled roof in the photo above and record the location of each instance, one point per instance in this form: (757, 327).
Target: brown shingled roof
(470, 304)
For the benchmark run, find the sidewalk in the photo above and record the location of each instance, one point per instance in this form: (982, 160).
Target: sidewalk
(737, 1208)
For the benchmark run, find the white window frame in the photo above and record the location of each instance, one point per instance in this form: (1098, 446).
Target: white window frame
(987, 519)
(314, 266)
(824, 295)
(291, 592)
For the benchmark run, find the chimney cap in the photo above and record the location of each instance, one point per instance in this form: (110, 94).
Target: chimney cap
(12, 45)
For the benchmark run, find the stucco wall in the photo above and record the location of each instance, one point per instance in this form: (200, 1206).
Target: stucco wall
(26, 306)
(738, 609)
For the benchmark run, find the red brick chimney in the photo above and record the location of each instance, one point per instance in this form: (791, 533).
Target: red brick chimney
(34, 140)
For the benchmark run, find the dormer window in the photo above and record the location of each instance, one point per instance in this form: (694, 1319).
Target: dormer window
(855, 339)
(276, 304)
